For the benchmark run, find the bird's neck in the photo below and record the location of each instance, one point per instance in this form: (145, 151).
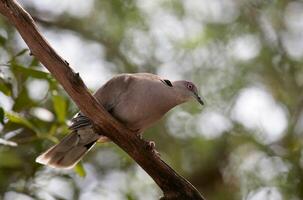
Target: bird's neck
(172, 100)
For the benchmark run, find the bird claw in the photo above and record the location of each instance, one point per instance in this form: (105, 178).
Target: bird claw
(155, 152)
(151, 145)
(139, 135)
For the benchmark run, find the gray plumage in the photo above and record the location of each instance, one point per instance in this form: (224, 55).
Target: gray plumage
(136, 100)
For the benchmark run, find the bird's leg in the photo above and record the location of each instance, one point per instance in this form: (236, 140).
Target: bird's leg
(139, 135)
(150, 145)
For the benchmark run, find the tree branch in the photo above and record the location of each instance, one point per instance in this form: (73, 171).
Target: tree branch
(173, 185)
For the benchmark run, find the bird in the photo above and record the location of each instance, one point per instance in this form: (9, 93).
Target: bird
(137, 100)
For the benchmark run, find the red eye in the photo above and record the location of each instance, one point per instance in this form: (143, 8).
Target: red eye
(190, 86)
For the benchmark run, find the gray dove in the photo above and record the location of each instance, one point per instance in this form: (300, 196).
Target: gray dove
(136, 100)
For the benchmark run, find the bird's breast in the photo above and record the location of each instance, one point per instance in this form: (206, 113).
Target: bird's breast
(140, 112)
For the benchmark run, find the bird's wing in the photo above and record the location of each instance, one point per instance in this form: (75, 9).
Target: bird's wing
(117, 90)
(80, 121)
(108, 95)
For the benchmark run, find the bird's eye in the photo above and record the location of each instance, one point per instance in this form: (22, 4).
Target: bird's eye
(167, 82)
(190, 86)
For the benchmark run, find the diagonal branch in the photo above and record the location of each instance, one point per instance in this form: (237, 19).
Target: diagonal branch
(173, 185)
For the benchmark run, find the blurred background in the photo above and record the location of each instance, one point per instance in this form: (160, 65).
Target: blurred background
(245, 56)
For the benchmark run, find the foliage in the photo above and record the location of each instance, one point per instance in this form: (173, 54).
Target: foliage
(230, 49)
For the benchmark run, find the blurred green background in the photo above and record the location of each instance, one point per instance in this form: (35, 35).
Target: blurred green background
(245, 56)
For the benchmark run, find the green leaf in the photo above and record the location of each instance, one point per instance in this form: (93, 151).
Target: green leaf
(59, 105)
(2, 40)
(23, 101)
(5, 86)
(34, 62)
(5, 89)
(79, 169)
(9, 159)
(20, 53)
(1, 115)
(53, 84)
(30, 72)
(18, 119)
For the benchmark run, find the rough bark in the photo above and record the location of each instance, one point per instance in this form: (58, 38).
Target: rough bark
(173, 185)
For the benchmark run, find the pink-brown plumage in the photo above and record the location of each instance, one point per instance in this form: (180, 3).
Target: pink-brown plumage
(136, 100)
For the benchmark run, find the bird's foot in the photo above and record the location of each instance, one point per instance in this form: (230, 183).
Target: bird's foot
(139, 135)
(151, 145)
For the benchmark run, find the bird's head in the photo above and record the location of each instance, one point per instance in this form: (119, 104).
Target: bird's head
(187, 91)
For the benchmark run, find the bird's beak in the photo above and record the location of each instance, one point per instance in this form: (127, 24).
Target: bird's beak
(199, 99)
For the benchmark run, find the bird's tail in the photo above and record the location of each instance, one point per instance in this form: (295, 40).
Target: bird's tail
(71, 149)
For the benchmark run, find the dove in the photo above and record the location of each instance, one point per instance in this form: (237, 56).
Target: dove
(136, 100)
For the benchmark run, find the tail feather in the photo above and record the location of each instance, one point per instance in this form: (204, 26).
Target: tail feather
(70, 150)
